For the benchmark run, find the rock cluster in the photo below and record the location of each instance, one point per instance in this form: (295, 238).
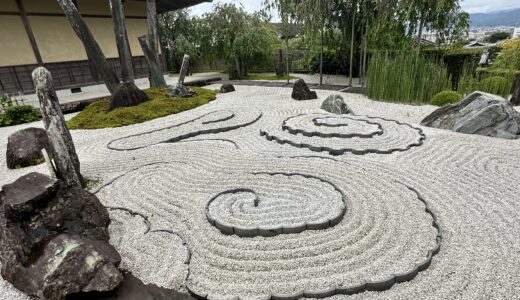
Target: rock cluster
(302, 92)
(179, 91)
(24, 147)
(54, 239)
(336, 105)
(227, 88)
(479, 113)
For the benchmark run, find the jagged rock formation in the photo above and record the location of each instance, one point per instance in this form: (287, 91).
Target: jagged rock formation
(479, 113)
(54, 239)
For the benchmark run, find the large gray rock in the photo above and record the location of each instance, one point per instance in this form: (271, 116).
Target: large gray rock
(336, 105)
(302, 92)
(54, 239)
(180, 91)
(24, 147)
(479, 113)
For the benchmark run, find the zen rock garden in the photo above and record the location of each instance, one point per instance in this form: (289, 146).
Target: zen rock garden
(286, 188)
(59, 240)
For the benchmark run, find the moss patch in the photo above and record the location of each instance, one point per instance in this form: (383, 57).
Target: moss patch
(267, 77)
(32, 162)
(97, 116)
(92, 182)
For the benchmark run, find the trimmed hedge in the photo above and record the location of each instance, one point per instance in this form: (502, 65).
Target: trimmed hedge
(19, 114)
(446, 97)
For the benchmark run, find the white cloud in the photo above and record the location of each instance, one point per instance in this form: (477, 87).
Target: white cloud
(249, 5)
(471, 6)
(482, 6)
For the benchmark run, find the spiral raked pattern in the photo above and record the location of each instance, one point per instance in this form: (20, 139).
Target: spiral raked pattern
(308, 235)
(387, 234)
(338, 135)
(209, 123)
(277, 203)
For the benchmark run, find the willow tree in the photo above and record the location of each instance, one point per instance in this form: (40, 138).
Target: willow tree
(287, 11)
(241, 39)
(433, 15)
(313, 15)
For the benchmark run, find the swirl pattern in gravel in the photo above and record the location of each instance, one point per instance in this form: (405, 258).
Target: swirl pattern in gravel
(213, 122)
(277, 203)
(345, 134)
(453, 196)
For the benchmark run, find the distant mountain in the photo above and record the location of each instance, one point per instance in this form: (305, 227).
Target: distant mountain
(509, 17)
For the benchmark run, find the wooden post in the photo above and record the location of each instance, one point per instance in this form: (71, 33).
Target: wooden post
(184, 68)
(156, 76)
(64, 152)
(92, 48)
(123, 46)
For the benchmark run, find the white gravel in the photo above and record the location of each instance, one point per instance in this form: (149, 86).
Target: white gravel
(468, 181)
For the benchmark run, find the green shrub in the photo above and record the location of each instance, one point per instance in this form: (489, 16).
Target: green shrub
(19, 114)
(497, 85)
(334, 62)
(446, 97)
(456, 60)
(490, 80)
(97, 116)
(404, 77)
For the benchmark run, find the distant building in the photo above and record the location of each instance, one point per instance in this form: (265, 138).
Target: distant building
(516, 33)
(477, 44)
(36, 33)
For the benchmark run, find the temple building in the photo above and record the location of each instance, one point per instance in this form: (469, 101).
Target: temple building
(36, 32)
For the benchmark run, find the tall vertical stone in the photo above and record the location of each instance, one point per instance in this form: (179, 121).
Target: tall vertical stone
(123, 46)
(515, 100)
(152, 37)
(63, 152)
(156, 76)
(92, 48)
(184, 68)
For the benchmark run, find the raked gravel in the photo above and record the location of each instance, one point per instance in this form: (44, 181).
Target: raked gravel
(182, 161)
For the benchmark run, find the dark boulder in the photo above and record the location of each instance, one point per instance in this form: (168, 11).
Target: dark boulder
(54, 239)
(127, 94)
(336, 105)
(179, 91)
(479, 113)
(515, 98)
(227, 88)
(133, 289)
(24, 147)
(302, 92)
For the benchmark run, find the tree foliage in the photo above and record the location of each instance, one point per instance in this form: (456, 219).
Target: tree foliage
(228, 32)
(497, 37)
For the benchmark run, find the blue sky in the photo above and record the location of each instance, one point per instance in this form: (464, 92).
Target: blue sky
(471, 6)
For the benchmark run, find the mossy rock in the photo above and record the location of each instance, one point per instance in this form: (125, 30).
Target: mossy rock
(446, 97)
(97, 115)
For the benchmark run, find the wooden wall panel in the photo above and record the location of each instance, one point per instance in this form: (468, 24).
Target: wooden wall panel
(15, 48)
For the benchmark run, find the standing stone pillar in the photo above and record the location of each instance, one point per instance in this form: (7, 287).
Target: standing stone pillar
(123, 46)
(515, 99)
(94, 52)
(279, 65)
(63, 152)
(156, 76)
(184, 68)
